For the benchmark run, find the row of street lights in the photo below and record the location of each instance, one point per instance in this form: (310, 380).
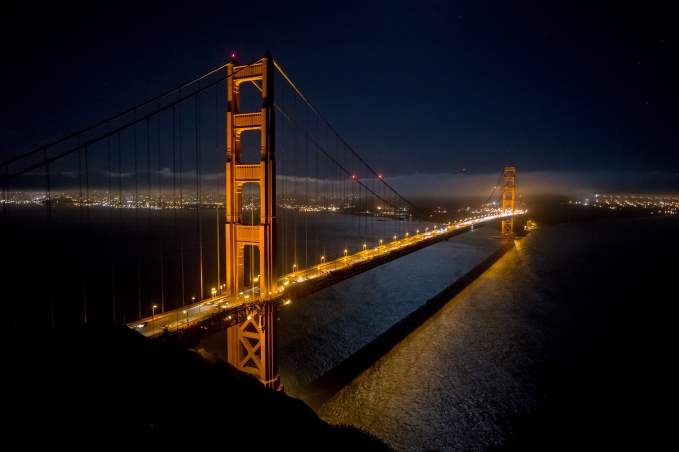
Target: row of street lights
(346, 251)
(364, 247)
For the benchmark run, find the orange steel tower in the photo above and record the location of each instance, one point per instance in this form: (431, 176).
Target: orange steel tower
(508, 198)
(252, 344)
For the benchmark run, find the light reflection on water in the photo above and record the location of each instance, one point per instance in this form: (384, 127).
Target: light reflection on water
(322, 330)
(464, 377)
(448, 385)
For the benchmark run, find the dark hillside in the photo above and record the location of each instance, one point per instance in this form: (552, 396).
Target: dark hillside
(95, 386)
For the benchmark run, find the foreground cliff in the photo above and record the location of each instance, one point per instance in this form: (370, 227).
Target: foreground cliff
(102, 385)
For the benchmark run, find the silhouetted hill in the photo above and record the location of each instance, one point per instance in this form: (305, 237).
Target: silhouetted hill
(97, 386)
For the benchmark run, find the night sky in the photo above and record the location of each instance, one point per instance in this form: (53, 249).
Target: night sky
(417, 87)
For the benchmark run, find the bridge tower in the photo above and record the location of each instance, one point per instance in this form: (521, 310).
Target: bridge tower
(252, 344)
(508, 199)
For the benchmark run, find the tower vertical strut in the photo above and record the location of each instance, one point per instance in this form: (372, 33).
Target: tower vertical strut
(508, 199)
(252, 344)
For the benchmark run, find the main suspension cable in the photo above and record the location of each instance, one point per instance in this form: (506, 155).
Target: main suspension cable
(135, 121)
(348, 146)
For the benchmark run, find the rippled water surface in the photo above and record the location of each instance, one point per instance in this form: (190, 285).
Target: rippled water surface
(322, 330)
(559, 336)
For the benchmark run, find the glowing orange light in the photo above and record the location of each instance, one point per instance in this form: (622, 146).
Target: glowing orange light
(353, 177)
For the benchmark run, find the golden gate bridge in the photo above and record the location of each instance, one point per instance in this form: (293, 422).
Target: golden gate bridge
(212, 205)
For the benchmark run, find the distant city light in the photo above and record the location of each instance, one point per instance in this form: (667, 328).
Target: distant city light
(653, 204)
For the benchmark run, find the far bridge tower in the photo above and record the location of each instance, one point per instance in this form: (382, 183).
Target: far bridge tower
(508, 199)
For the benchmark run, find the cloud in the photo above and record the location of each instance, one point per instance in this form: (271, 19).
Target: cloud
(114, 174)
(573, 183)
(191, 174)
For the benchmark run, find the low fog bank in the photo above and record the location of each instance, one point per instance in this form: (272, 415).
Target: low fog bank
(536, 183)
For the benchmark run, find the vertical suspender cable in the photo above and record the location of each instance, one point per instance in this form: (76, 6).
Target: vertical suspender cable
(161, 217)
(88, 229)
(50, 239)
(199, 198)
(136, 220)
(181, 206)
(218, 230)
(174, 211)
(120, 211)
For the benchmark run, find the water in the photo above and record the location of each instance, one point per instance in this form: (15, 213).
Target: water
(70, 265)
(564, 336)
(322, 330)
(562, 343)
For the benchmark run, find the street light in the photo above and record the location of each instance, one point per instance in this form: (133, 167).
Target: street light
(153, 313)
(365, 245)
(346, 251)
(294, 267)
(187, 317)
(193, 299)
(213, 291)
(322, 259)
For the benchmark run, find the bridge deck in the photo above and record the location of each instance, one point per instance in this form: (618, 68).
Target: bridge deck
(230, 310)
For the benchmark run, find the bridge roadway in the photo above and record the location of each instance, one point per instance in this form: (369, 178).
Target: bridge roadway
(302, 282)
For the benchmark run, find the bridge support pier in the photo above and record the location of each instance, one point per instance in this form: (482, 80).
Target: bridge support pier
(252, 344)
